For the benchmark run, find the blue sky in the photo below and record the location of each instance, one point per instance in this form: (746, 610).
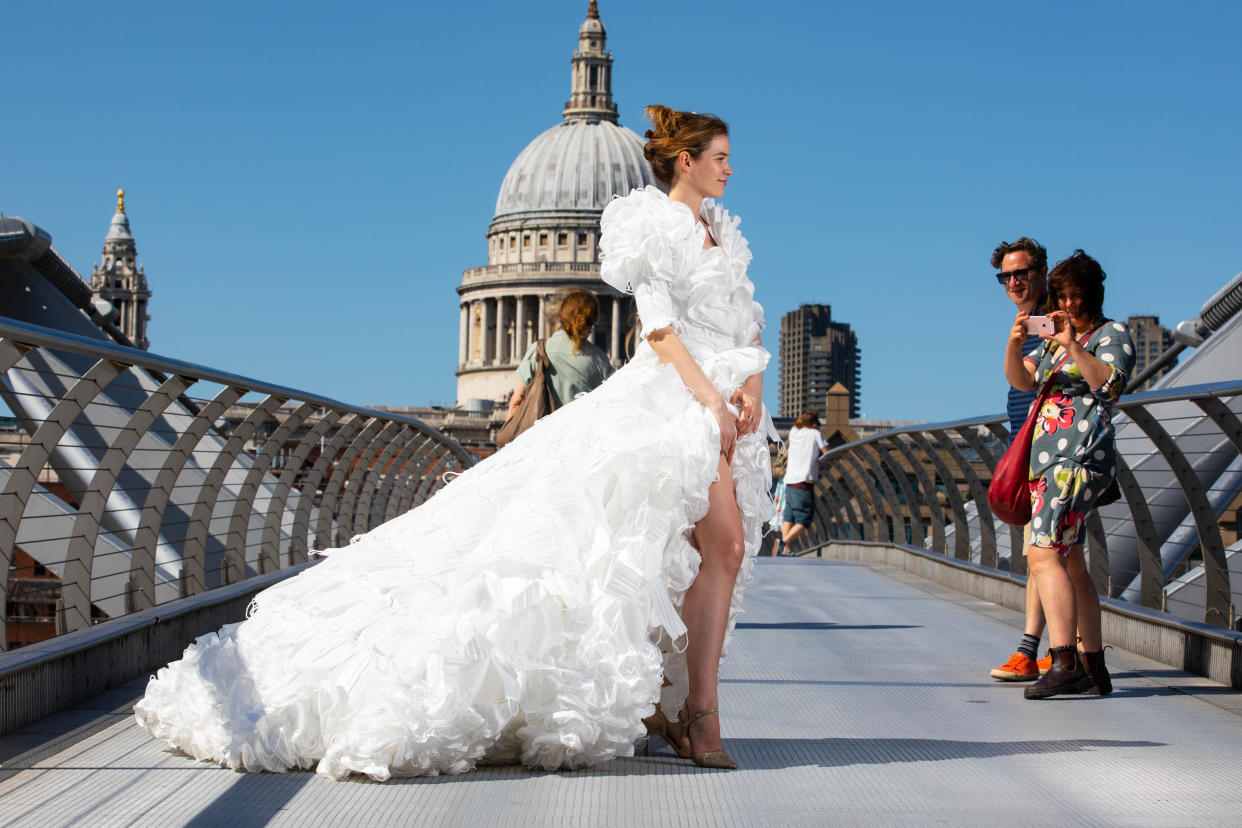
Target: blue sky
(308, 180)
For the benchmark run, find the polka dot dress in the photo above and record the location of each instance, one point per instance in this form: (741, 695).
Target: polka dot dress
(1073, 455)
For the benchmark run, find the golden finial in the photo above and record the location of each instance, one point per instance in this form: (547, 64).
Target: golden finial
(120, 201)
(593, 11)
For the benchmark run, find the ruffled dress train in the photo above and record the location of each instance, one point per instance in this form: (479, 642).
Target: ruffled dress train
(527, 612)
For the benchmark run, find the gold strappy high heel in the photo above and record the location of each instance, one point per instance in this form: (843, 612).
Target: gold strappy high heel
(708, 758)
(660, 728)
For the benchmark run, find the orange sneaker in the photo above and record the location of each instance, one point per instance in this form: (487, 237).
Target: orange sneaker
(1019, 667)
(1045, 663)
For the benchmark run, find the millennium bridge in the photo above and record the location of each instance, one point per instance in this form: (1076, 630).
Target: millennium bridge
(144, 500)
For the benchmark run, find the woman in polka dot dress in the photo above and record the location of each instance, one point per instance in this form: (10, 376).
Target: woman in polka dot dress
(1073, 460)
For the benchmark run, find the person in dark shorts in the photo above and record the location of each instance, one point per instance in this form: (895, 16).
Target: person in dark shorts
(806, 445)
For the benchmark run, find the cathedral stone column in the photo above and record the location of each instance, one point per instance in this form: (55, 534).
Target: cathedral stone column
(614, 350)
(501, 333)
(519, 336)
(543, 316)
(463, 336)
(486, 351)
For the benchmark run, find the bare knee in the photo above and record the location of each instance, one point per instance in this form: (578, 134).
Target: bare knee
(1041, 559)
(726, 554)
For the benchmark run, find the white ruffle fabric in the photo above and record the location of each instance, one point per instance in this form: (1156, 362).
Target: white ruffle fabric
(529, 611)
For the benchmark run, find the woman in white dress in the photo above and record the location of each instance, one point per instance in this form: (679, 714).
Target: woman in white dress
(549, 598)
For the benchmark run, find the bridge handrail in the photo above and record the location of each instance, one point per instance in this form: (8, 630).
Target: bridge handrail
(1160, 554)
(215, 492)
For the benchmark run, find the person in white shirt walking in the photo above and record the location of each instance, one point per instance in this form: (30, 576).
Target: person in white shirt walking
(806, 445)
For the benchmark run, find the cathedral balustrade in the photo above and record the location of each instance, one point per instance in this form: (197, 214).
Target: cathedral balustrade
(1172, 542)
(135, 479)
(487, 273)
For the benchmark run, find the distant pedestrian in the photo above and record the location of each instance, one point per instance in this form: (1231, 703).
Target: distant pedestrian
(806, 445)
(578, 365)
(1073, 460)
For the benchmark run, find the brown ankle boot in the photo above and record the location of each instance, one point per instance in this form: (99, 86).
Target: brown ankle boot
(1101, 683)
(1065, 676)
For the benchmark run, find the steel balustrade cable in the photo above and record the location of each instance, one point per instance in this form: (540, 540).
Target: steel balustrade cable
(245, 477)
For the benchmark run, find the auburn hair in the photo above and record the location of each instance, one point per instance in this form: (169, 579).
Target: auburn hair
(674, 132)
(578, 314)
(1083, 272)
(809, 419)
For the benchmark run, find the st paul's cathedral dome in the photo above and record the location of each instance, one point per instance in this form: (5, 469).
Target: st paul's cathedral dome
(545, 232)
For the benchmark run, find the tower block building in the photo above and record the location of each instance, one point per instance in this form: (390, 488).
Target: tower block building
(118, 280)
(816, 354)
(544, 234)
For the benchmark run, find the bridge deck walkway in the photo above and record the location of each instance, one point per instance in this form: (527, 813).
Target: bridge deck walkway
(854, 694)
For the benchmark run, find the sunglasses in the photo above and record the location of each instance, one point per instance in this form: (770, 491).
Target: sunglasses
(1022, 274)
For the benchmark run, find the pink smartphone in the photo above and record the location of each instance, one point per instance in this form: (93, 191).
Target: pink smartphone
(1040, 325)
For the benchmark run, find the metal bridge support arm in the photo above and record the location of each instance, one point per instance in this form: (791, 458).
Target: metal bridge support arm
(147, 537)
(342, 469)
(884, 480)
(209, 494)
(1215, 567)
(961, 535)
(76, 586)
(1151, 574)
(270, 551)
(367, 467)
(239, 523)
(95, 499)
(987, 523)
(931, 497)
(1017, 549)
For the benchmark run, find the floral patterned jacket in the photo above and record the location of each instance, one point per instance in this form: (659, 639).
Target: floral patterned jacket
(1074, 426)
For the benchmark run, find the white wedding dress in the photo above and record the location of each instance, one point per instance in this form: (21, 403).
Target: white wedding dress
(528, 611)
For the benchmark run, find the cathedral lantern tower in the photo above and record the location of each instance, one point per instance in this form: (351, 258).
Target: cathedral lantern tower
(544, 235)
(121, 282)
(591, 88)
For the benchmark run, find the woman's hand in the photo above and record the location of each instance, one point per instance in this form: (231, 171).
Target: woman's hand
(748, 411)
(1064, 333)
(728, 429)
(1093, 370)
(515, 399)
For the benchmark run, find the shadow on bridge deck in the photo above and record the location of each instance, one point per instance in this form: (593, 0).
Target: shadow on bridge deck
(853, 694)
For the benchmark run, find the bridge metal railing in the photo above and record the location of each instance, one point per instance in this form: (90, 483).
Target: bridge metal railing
(129, 479)
(1171, 542)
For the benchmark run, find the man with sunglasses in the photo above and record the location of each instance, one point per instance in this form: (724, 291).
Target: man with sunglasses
(1022, 270)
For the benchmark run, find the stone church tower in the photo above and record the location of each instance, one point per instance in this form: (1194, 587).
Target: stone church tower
(120, 282)
(544, 234)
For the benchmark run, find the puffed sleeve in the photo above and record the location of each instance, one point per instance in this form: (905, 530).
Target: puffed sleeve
(526, 368)
(643, 251)
(1114, 347)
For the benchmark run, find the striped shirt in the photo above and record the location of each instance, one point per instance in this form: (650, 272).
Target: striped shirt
(1020, 401)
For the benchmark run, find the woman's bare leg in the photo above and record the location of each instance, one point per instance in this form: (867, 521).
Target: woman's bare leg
(1056, 592)
(1088, 601)
(718, 537)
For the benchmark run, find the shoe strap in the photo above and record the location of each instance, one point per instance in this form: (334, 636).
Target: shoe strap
(699, 715)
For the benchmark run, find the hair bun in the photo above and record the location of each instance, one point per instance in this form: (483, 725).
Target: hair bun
(664, 121)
